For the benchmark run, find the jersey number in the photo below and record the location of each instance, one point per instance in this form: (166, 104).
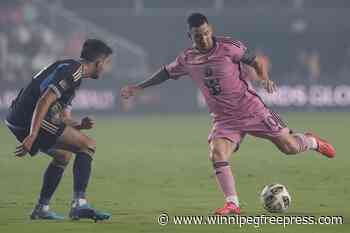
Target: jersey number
(213, 86)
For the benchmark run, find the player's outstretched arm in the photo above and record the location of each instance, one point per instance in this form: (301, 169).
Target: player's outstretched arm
(261, 65)
(157, 78)
(40, 111)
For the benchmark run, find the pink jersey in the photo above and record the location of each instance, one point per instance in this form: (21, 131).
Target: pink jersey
(220, 77)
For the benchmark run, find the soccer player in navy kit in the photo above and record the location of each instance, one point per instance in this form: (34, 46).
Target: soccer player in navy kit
(40, 118)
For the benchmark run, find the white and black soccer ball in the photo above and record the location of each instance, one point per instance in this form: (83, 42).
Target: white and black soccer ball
(275, 198)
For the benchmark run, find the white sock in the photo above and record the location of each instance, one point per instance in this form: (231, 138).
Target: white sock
(79, 202)
(82, 201)
(313, 143)
(233, 199)
(45, 207)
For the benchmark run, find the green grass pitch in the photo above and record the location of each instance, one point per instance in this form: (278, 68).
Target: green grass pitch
(148, 165)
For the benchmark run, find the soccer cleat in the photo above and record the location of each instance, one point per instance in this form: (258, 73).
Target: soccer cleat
(323, 146)
(229, 208)
(39, 213)
(87, 212)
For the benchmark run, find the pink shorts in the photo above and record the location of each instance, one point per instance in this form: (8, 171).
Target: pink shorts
(270, 125)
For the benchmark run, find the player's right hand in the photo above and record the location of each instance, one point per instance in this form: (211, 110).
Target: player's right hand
(25, 146)
(128, 91)
(87, 123)
(269, 86)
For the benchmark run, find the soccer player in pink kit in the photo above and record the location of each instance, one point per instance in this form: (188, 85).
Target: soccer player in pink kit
(215, 64)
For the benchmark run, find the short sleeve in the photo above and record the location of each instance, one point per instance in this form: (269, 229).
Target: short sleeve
(237, 50)
(68, 107)
(65, 78)
(177, 68)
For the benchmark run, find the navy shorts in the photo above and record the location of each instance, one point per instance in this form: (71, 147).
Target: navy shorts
(47, 137)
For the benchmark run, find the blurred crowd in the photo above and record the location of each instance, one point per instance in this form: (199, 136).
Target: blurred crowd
(28, 42)
(31, 38)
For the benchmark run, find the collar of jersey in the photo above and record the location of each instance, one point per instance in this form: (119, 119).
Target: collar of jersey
(211, 51)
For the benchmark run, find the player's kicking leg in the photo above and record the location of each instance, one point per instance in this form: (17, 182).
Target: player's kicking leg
(84, 148)
(295, 143)
(51, 180)
(287, 142)
(220, 153)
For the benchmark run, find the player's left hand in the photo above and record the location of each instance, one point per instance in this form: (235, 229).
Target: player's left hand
(129, 91)
(87, 123)
(269, 86)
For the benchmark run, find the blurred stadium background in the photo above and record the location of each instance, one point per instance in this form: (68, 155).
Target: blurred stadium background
(308, 42)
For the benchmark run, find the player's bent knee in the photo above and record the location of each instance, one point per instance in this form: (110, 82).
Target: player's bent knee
(287, 152)
(217, 155)
(89, 146)
(62, 160)
(287, 144)
(290, 148)
(91, 143)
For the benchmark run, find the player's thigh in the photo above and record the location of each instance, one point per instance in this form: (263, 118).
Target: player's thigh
(223, 140)
(75, 141)
(220, 149)
(283, 139)
(286, 142)
(274, 129)
(59, 157)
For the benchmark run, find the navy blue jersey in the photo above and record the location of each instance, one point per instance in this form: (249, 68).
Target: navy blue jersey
(63, 77)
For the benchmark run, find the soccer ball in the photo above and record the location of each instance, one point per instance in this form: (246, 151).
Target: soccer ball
(275, 198)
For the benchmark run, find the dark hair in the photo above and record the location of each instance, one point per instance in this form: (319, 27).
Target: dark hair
(196, 20)
(93, 49)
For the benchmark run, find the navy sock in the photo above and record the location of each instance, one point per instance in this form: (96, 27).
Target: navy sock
(52, 178)
(81, 172)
